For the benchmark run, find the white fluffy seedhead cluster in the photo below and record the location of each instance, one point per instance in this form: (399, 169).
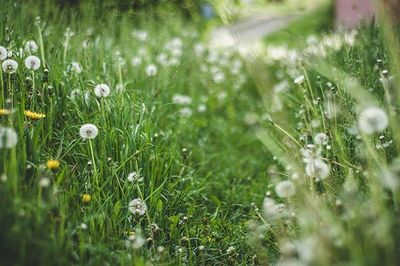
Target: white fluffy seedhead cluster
(8, 137)
(102, 90)
(137, 207)
(88, 131)
(372, 120)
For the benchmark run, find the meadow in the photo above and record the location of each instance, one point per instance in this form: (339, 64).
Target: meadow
(126, 139)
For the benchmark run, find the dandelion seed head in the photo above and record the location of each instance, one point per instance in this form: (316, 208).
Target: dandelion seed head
(88, 131)
(32, 62)
(373, 120)
(317, 168)
(8, 137)
(270, 208)
(181, 99)
(134, 177)
(285, 189)
(10, 66)
(137, 207)
(185, 112)
(83, 226)
(219, 77)
(76, 67)
(135, 241)
(31, 46)
(3, 53)
(102, 90)
(321, 139)
(44, 182)
(151, 70)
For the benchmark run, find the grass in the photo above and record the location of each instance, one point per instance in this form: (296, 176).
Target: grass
(316, 21)
(197, 170)
(235, 162)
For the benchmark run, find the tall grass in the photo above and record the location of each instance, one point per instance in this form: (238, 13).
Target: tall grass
(174, 139)
(335, 183)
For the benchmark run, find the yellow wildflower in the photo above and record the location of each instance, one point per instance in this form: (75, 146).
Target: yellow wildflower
(33, 115)
(53, 164)
(4, 112)
(86, 198)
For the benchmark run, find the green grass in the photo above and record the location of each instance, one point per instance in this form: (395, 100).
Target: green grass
(198, 171)
(212, 166)
(313, 22)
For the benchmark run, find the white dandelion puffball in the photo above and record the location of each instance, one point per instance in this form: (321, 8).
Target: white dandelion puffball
(32, 62)
(299, 79)
(31, 46)
(151, 70)
(102, 90)
(318, 169)
(134, 177)
(321, 139)
(372, 120)
(8, 137)
(76, 67)
(137, 207)
(3, 53)
(270, 208)
(10, 66)
(181, 99)
(285, 189)
(88, 131)
(135, 61)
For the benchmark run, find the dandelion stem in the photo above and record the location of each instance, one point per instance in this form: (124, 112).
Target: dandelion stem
(95, 173)
(286, 133)
(2, 90)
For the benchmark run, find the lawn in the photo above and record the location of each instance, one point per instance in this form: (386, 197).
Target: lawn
(126, 139)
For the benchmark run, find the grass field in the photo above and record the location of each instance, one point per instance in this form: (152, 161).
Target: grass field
(126, 140)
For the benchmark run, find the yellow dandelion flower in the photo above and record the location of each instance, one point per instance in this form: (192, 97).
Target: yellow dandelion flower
(4, 112)
(53, 164)
(86, 198)
(33, 115)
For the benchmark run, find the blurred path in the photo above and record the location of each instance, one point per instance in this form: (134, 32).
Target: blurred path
(250, 31)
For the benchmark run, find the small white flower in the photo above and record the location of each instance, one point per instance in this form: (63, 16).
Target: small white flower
(3, 53)
(151, 70)
(8, 137)
(317, 168)
(137, 207)
(373, 120)
(44, 182)
(299, 79)
(88, 131)
(102, 90)
(9, 66)
(32, 62)
(321, 139)
(285, 189)
(31, 46)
